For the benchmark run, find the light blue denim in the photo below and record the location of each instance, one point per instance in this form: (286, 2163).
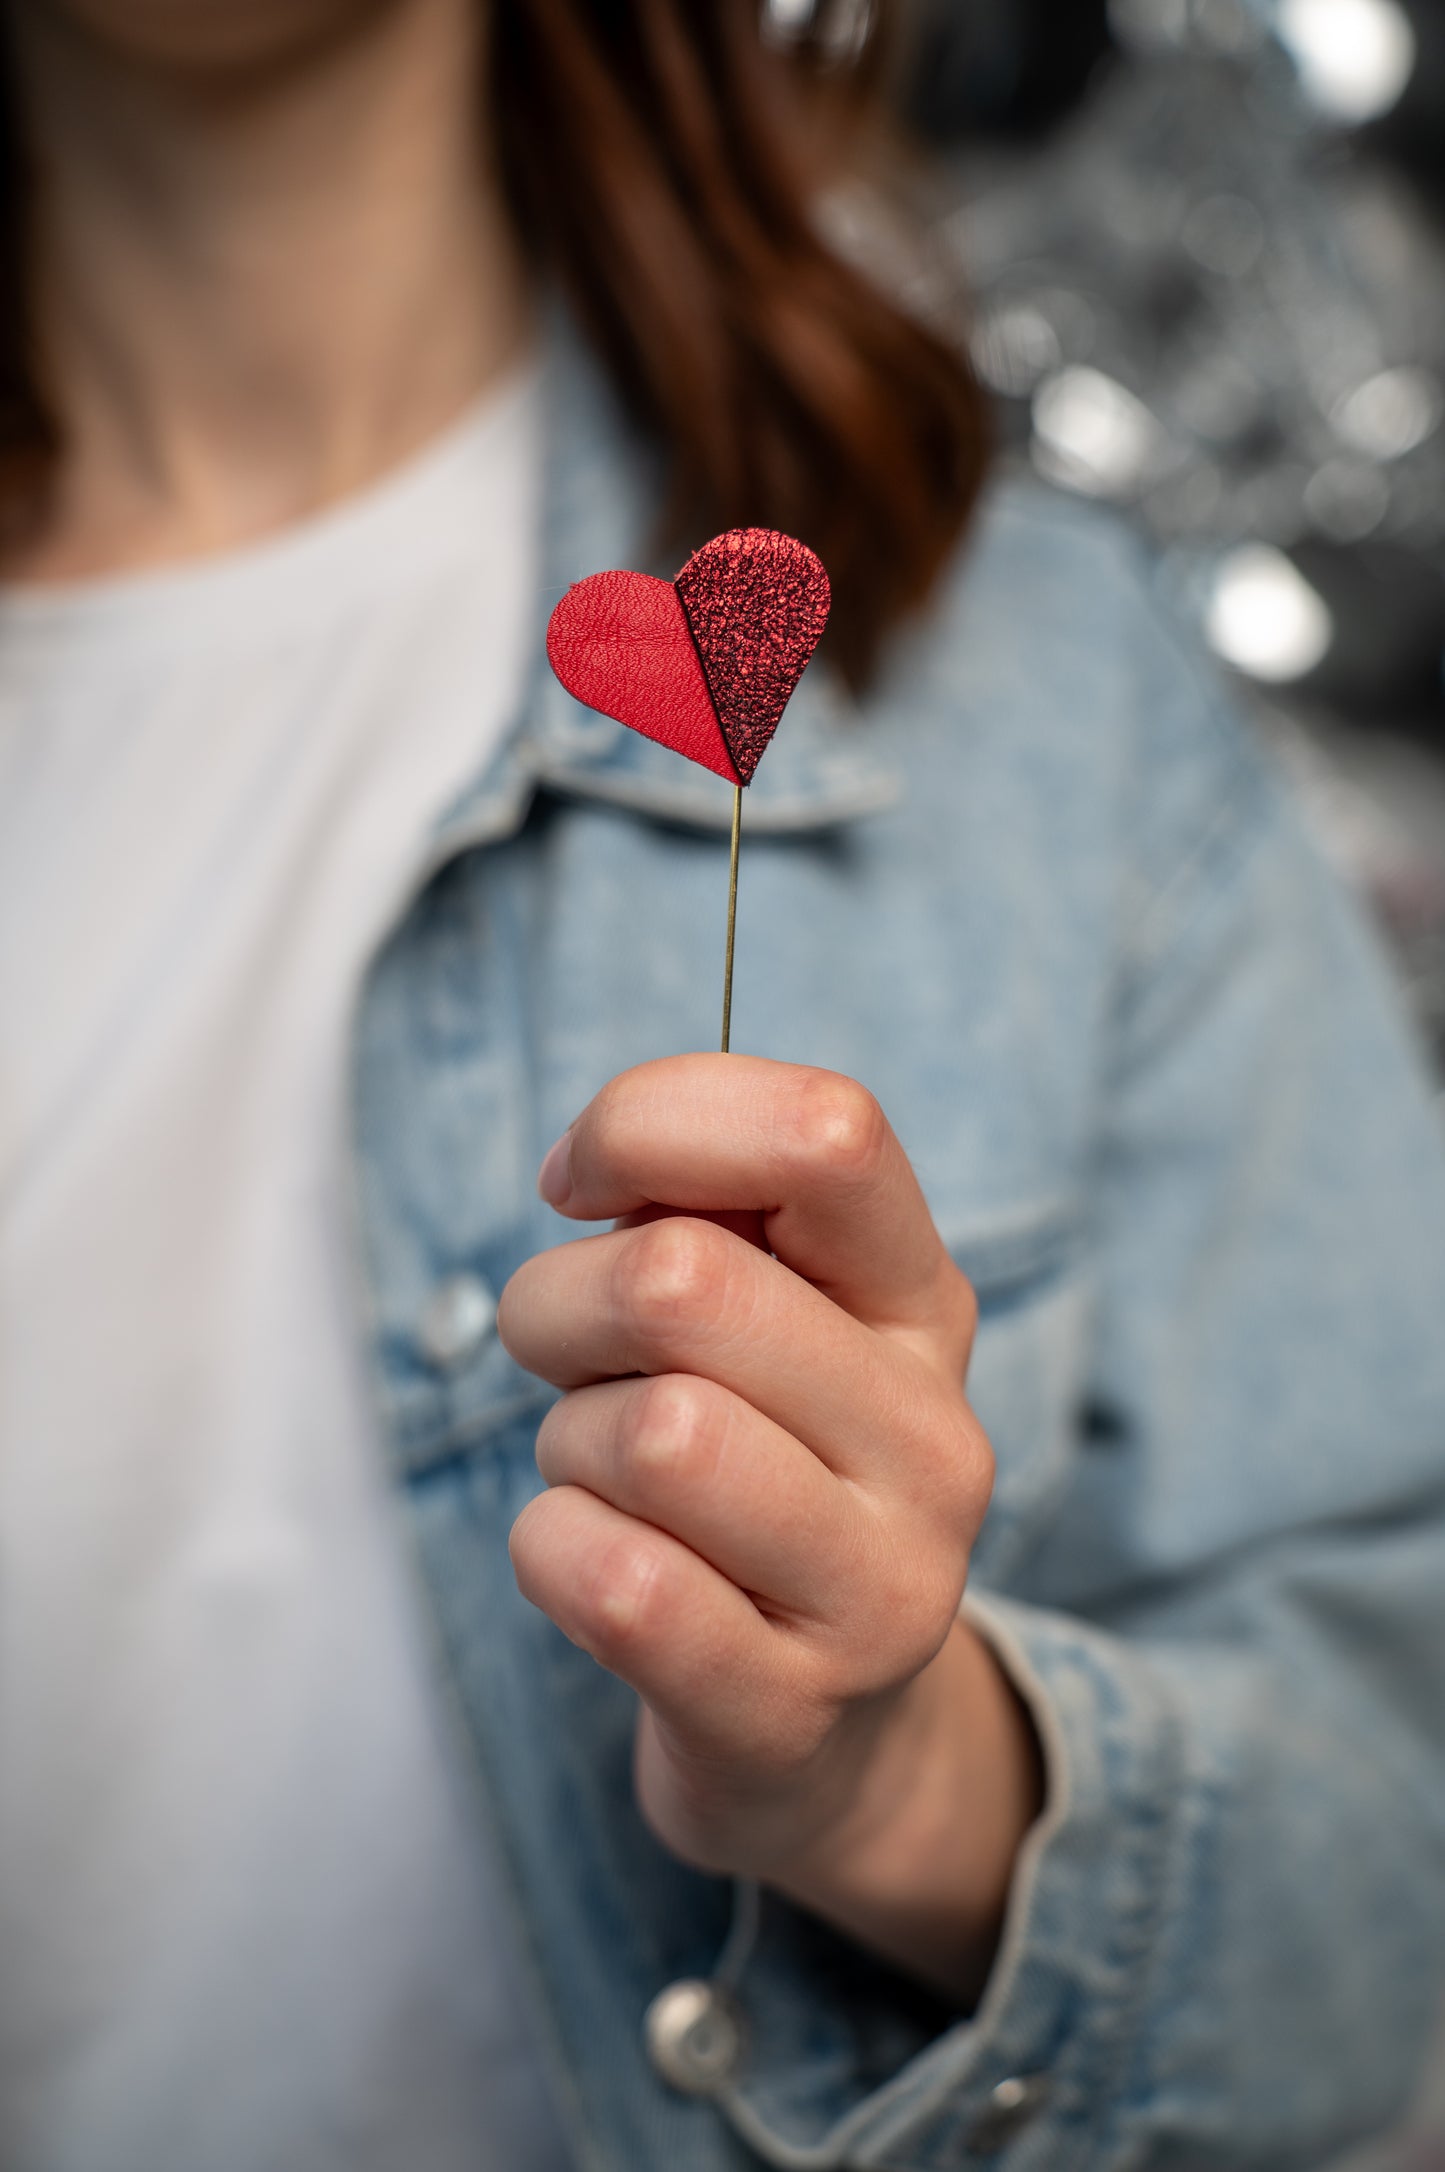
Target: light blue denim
(1047, 899)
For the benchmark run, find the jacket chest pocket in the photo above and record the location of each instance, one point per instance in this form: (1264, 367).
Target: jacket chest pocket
(1026, 1375)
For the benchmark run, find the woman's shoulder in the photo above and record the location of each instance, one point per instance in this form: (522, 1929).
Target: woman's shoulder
(1054, 666)
(1052, 593)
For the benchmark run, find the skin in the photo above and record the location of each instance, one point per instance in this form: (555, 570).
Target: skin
(764, 1481)
(272, 262)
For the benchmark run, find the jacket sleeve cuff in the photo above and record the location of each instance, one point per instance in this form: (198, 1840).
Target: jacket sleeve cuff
(845, 2066)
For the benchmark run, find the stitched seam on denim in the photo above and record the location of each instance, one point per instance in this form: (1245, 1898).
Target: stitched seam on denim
(1155, 1833)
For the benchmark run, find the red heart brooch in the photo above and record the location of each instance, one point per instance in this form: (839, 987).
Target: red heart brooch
(705, 663)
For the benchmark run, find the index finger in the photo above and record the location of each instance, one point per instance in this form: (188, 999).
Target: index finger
(809, 1150)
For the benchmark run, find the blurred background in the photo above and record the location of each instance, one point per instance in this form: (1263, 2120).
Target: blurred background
(1205, 242)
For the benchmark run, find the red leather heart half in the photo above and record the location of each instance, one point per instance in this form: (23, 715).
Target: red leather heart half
(621, 644)
(757, 603)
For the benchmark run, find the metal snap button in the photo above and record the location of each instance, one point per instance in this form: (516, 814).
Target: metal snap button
(694, 2036)
(1011, 2105)
(460, 1314)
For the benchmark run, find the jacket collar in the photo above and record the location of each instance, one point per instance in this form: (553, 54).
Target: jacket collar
(598, 496)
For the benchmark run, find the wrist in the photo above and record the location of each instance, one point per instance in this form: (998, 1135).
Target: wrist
(919, 1866)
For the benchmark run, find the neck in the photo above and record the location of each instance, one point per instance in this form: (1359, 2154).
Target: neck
(259, 286)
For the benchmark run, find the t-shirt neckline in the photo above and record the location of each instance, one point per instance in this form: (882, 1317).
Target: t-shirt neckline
(402, 522)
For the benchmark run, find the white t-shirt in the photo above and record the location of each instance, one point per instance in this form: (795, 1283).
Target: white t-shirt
(244, 1926)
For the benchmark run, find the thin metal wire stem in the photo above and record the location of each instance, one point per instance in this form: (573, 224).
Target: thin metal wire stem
(727, 1016)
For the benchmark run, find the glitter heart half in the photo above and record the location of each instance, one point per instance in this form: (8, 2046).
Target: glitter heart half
(756, 603)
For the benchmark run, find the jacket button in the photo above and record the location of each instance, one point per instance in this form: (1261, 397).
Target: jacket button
(459, 1316)
(694, 2036)
(1011, 2105)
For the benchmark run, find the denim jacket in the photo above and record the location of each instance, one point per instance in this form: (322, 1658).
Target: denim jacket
(1045, 897)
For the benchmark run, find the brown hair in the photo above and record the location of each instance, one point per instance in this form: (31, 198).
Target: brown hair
(663, 159)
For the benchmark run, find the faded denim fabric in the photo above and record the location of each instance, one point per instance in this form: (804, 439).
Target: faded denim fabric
(1049, 902)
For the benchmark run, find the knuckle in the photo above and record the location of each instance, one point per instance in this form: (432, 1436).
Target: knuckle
(956, 1470)
(788, 1740)
(970, 1469)
(924, 1605)
(909, 1606)
(841, 1128)
(940, 1591)
(840, 1672)
(676, 1272)
(678, 1429)
(627, 1602)
(902, 1647)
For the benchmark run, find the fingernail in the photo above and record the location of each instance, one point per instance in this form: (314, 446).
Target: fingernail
(554, 1178)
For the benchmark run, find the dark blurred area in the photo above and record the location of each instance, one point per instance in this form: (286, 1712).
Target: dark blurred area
(1205, 241)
